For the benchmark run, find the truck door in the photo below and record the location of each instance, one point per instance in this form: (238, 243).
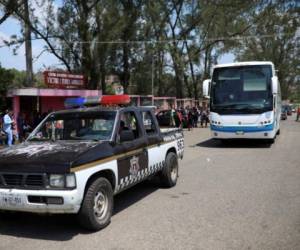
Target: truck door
(155, 149)
(133, 160)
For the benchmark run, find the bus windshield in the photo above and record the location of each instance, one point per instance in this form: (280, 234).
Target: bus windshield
(243, 89)
(94, 126)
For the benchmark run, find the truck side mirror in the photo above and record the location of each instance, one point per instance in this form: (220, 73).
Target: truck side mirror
(206, 87)
(126, 135)
(275, 85)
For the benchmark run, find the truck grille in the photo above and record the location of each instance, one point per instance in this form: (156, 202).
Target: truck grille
(13, 180)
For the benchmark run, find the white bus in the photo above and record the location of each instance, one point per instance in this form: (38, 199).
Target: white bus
(245, 101)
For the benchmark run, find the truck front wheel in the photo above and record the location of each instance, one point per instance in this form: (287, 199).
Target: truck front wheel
(97, 205)
(169, 173)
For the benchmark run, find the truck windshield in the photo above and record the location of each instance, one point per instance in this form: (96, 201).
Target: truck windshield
(245, 89)
(93, 126)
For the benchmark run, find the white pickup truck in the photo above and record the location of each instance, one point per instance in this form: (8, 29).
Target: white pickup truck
(76, 160)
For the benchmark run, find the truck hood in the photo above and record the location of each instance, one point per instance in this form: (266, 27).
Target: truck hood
(48, 157)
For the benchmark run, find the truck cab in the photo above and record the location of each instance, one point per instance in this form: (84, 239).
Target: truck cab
(76, 160)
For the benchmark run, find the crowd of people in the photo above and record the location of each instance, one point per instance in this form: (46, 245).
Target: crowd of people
(15, 128)
(189, 117)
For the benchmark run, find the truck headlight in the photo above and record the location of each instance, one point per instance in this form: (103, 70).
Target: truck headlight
(70, 180)
(57, 180)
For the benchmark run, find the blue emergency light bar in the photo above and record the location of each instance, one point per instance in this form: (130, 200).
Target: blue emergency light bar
(75, 102)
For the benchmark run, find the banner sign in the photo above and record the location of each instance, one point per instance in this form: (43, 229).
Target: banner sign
(62, 80)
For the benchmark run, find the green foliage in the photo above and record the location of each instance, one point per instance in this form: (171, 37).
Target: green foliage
(275, 37)
(170, 44)
(6, 79)
(11, 79)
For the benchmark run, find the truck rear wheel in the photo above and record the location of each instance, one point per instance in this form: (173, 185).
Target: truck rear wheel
(97, 205)
(169, 173)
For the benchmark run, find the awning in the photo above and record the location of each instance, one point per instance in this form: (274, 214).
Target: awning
(53, 92)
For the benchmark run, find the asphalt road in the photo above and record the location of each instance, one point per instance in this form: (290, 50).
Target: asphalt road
(245, 195)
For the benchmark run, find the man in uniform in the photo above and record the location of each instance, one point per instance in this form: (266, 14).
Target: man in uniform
(7, 126)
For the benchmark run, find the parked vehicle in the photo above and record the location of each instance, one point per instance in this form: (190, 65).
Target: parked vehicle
(164, 118)
(75, 161)
(288, 109)
(245, 101)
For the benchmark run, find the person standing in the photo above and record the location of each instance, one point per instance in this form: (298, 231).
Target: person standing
(172, 117)
(190, 120)
(180, 118)
(7, 126)
(195, 117)
(298, 113)
(20, 126)
(2, 133)
(204, 117)
(15, 130)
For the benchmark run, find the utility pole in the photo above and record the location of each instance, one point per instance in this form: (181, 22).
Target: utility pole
(28, 47)
(152, 80)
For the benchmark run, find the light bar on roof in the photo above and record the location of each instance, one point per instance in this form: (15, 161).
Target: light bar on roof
(115, 100)
(74, 102)
(96, 100)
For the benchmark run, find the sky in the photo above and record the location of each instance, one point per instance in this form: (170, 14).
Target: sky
(8, 60)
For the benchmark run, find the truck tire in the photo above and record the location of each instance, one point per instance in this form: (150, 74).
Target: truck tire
(169, 174)
(97, 206)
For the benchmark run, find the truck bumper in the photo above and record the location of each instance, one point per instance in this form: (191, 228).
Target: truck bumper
(40, 201)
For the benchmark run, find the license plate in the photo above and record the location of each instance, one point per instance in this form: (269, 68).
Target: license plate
(8, 200)
(239, 132)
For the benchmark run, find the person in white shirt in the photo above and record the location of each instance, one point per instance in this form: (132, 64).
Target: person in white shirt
(7, 127)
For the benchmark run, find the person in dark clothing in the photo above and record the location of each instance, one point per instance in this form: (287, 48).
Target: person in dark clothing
(190, 119)
(37, 119)
(20, 125)
(204, 117)
(195, 117)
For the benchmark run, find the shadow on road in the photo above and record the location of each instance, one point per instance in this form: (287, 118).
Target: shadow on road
(236, 143)
(135, 194)
(64, 227)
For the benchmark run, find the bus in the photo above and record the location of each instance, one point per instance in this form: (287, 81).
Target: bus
(245, 101)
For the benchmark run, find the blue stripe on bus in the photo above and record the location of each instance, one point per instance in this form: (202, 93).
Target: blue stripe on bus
(245, 129)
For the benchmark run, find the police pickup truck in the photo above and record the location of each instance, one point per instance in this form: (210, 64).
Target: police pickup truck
(76, 160)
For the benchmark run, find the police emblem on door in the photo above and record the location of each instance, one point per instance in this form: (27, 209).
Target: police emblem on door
(134, 166)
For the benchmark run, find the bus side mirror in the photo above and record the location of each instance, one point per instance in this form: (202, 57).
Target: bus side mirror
(206, 87)
(275, 85)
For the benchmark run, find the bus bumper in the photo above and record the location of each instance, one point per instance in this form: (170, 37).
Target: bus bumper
(243, 135)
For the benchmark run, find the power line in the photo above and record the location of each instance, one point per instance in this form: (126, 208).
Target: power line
(167, 41)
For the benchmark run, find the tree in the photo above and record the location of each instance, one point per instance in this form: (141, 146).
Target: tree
(171, 45)
(276, 38)
(8, 8)
(28, 46)
(6, 77)
(22, 7)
